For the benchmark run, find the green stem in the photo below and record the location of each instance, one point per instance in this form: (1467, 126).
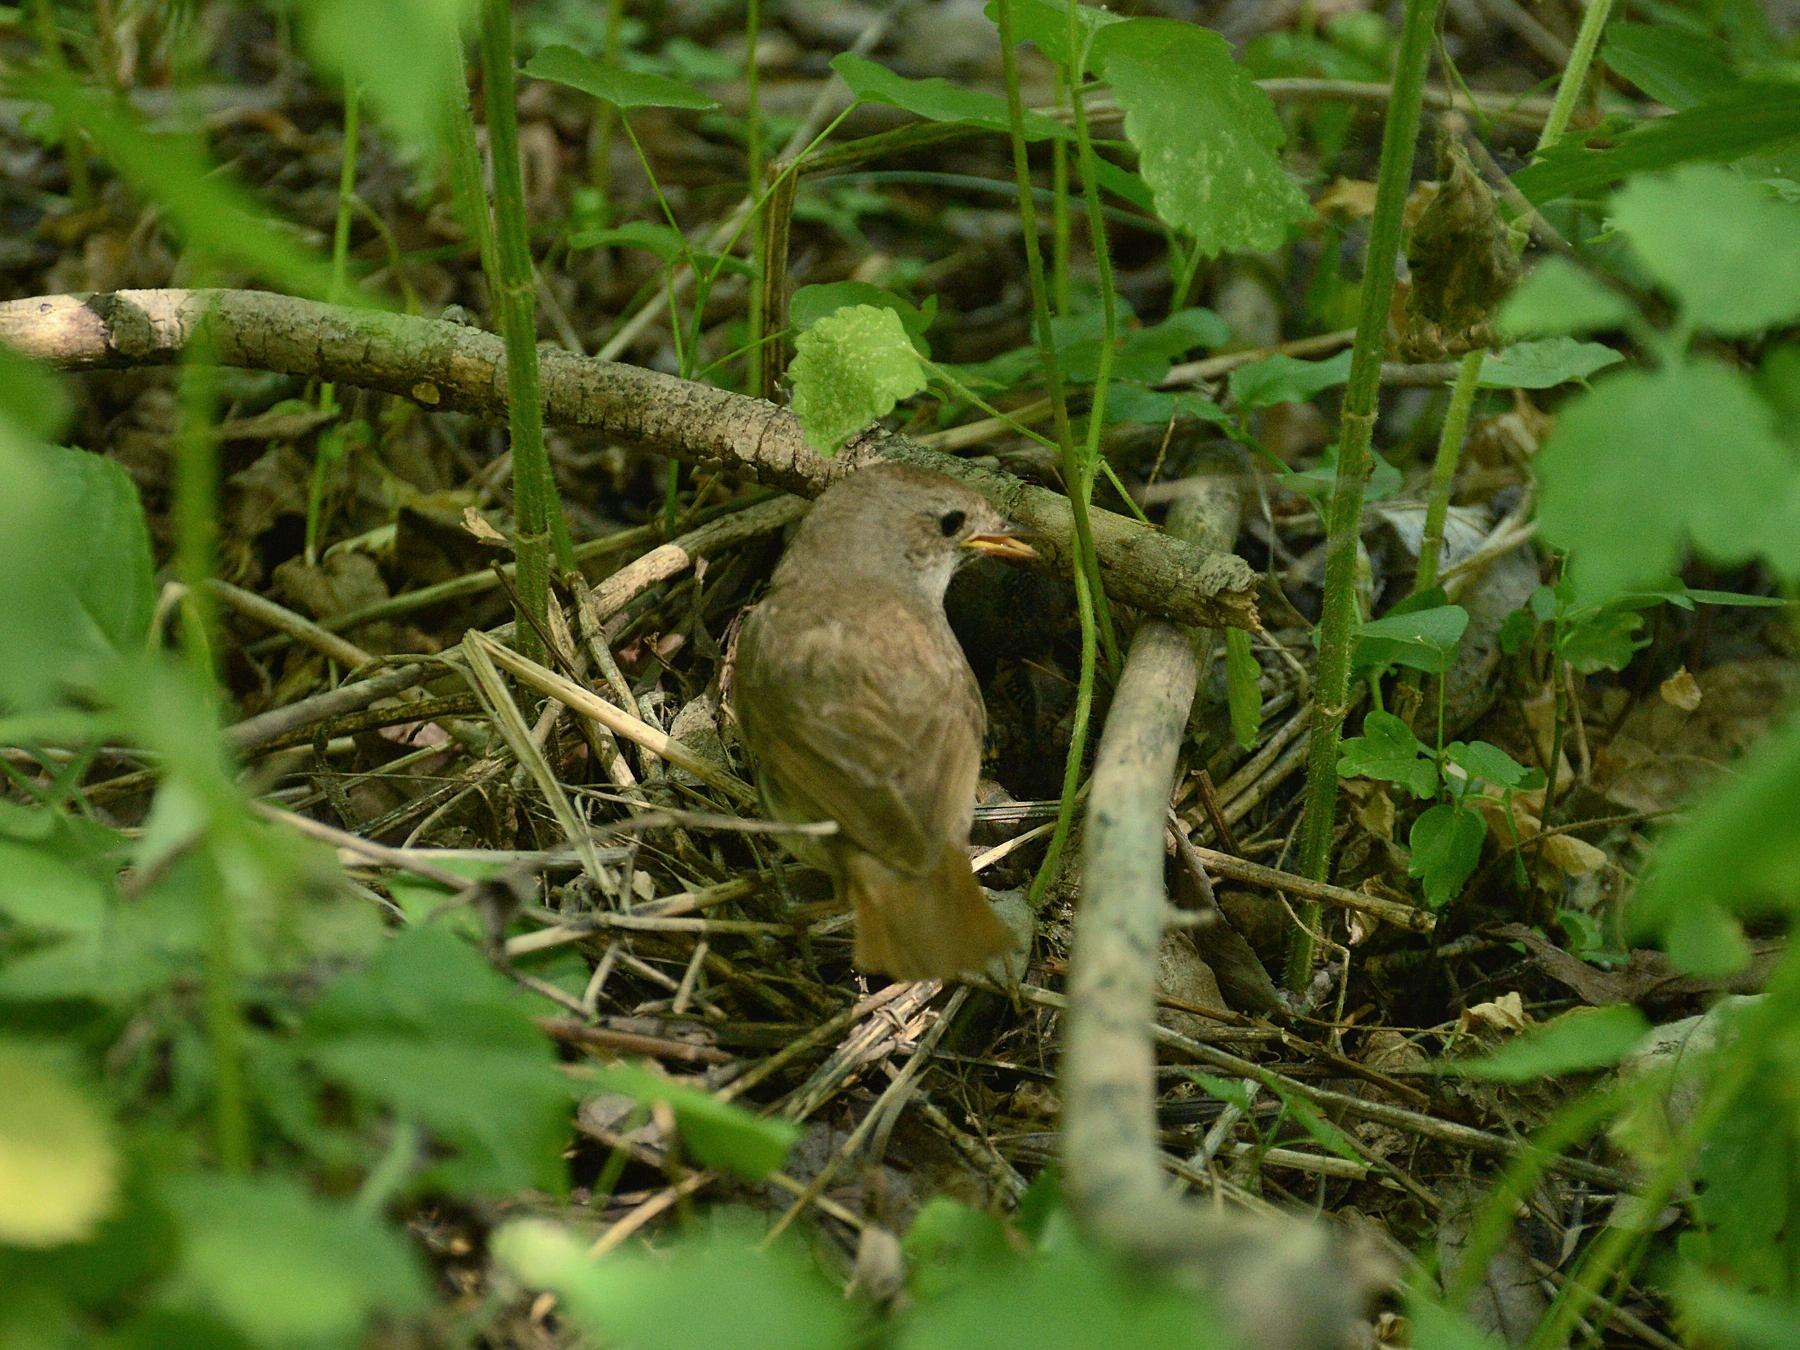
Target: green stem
(1078, 732)
(1059, 209)
(340, 231)
(753, 172)
(1443, 472)
(75, 160)
(1574, 75)
(1331, 694)
(514, 289)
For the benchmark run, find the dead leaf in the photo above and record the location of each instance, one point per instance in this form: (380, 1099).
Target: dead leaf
(1647, 975)
(477, 524)
(1348, 199)
(1504, 1014)
(1681, 690)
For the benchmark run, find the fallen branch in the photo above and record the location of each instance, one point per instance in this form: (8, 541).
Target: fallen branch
(444, 365)
(1284, 1283)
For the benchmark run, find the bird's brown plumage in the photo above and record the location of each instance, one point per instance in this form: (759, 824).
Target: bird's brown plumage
(859, 707)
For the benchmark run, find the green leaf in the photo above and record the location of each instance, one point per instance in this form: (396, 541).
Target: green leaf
(1045, 24)
(283, 1266)
(75, 551)
(430, 1032)
(407, 81)
(1545, 363)
(1147, 353)
(1603, 639)
(623, 89)
(1243, 687)
(1320, 481)
(211, 211)
(937, 100)
(1435, 1327)
(1558, 297)
(849, 369)
(1388, 751)
(1751, 116)
(1730, 1316)
(1671, 66)
(718, 1133)
(1421, 639)
(1282, 379)
(721, 1287)
(1727, 248)
(1489, 764)
(1134, 403)
(1446, 845)
(58, 1168)
(34, 397)
(1207, 137)
(1738, 853)
(812, 303)
(949, 1244)
(1588, 1038)
(49, 893)
(664, 241)
(1647, 461)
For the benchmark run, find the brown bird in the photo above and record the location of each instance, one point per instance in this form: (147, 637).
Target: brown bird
(859, 707)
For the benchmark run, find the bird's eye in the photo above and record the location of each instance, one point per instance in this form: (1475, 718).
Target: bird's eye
(950, 522)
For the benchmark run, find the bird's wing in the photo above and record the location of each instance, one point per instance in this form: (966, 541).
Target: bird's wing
(849, 723)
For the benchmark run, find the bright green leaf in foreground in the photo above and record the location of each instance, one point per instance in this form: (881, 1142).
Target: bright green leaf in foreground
(285, 1267)
(849, 369)
(1420, 639)
(721, 1287)
(1207, 137)
(936, 100)
(1589, 1038)
(406, 81)
(1446, 845)
(1388, 751)
(58, 1168)
(1648, 461)
(32, 396)
(717, 1133)
(625, 89)
(1558, 297)
(1727, 248)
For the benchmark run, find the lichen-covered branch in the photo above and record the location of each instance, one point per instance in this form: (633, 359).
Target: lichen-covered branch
(444, 365)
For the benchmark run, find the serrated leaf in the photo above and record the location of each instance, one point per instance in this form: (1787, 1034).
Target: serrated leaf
(1207, 137)
(59, 1169)
(849, 369)
(1388, 751)
(937, 100)
(1558, 297)
(1446, 846)
(1243, 687)
(1423, 639)
(1588, 1038)
(1749, 117)
(284, 1267)
(1648, 461)
(718, 1133)
(624, 89)
(1545, 363)
(1728, 249)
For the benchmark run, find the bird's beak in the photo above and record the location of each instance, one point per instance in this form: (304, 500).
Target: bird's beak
(1002, 543)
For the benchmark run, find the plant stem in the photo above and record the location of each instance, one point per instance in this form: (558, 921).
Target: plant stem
(1443, 471)
(1337, 619)
(1574, 75)
(753, 173)
(75, 160)
(340, 231)
(1059, 209)
(514, 290)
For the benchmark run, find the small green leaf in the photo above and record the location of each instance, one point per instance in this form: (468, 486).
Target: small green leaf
(1603, 639)
(1558, 297)
(1320, 481)
(1045, 24)
(1134, 403)
(1446, 845)
(1389, 752)
(812, 303)
(718, 1133)
(1489, 764)
(1545, 363)
(58, 1167)
(1727, 248)
(622, 88)
(1588, 1038)
(1647, 461)
(285, 1267)
(948, 1244)
(1207, 137)
(849, 369)
(1672, 66)
(721, 1287)
(664, 241)
(1283, 379)
(1243, 687)
(1421, 639)
(937, 100)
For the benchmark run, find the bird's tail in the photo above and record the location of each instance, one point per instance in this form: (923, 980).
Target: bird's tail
(936, 926)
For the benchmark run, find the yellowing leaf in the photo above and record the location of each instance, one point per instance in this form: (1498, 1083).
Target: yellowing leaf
(58, 1168)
